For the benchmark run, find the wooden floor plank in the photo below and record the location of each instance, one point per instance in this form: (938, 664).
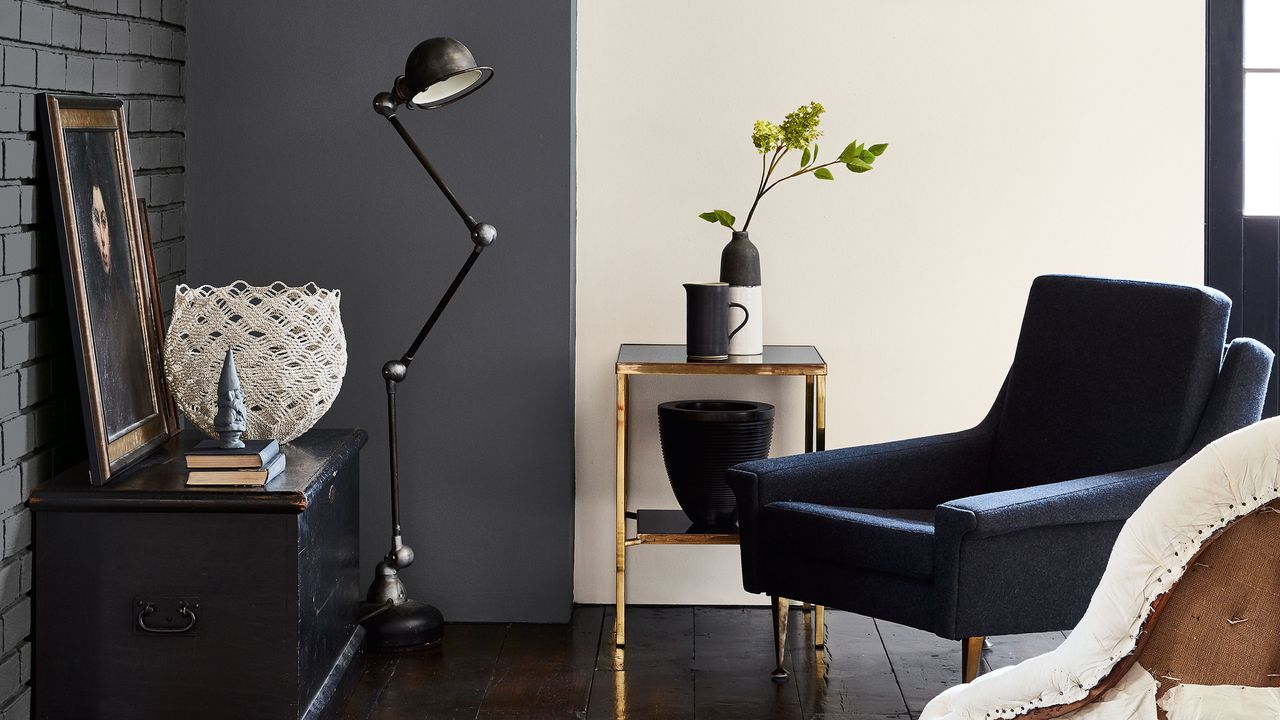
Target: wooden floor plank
(732, 665)
(449, 681)
(545, 671)
(852, 677)
(1012, 649)
(923, 663)
(653, 676)
(376, 672)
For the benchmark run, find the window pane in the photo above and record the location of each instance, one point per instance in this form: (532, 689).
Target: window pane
(1262, 144)
(1262, 34)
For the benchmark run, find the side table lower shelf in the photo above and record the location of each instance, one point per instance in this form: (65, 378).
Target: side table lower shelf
(672, 527)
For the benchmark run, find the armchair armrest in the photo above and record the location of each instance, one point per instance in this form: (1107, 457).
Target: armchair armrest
(977, 524)
(917, 473)
(1111, 497)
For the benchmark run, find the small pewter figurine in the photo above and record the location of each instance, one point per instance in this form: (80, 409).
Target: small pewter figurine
(229, 423)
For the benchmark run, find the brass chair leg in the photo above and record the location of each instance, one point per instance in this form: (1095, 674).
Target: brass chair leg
(970, 657)
(781, 608)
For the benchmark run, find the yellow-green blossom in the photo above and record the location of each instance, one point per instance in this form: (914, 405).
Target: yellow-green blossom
(766, 136)
(800, 127)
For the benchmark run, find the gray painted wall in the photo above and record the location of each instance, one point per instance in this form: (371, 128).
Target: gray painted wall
(292, 176)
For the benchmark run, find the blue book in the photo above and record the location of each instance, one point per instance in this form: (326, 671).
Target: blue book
(254, 454)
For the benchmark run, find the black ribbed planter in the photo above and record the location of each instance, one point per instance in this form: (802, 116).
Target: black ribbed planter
(701, 439)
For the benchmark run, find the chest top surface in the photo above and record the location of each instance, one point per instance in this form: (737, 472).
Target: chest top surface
(158, 483)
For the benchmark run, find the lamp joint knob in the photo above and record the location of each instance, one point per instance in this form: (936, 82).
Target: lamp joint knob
(484, 234)
(384, 104)
(394, 371)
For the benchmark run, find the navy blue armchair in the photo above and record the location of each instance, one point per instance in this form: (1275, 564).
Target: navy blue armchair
(1006, 528)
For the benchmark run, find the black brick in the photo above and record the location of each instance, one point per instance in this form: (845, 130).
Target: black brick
(175, 11)
(37, 23)
(93, 34)
(9, 310)
(10, 205)
(19, 158)
(104, 76)
(79, 74)
(117, 36)
(28, 201)
(17, 619)
(19, 66)
(27, 114)
(10, 106)
(51, 70)
(66, 28)
(10, 18)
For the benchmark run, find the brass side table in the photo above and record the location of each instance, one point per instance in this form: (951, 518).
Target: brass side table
(671, 527)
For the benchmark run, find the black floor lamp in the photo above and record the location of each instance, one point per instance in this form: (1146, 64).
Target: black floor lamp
(439, 71)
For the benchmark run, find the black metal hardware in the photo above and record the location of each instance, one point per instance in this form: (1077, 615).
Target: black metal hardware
(185, 609)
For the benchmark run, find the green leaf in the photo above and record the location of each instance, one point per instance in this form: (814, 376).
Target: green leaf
(867, 157)
(725, 218)
(823, 174)
(858, 166)
(710, 216)
(878, 149)
(804, 158)
(850, 152)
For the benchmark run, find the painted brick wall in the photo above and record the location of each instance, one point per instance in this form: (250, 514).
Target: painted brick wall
(132, 49)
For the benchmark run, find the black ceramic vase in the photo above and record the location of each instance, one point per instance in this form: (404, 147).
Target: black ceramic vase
(701, 439)
(740, 268)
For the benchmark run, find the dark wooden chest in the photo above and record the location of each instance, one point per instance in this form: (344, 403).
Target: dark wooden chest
(268, 577)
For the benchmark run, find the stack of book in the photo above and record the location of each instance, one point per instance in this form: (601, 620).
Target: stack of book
(254, 464)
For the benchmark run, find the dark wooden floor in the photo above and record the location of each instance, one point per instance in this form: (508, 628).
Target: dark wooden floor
(680, 662)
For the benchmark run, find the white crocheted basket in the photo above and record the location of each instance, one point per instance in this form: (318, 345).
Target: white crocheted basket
(291, 353)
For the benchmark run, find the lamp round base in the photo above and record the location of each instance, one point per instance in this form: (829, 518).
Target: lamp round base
(407, 626)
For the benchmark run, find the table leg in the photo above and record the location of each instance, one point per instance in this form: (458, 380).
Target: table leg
(820, 443)
(808, 413)
(620, 510)
(820, 432)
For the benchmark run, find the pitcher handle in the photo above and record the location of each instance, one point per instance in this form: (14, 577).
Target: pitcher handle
(747, 316)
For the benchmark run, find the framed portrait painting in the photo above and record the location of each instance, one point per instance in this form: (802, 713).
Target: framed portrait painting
(106, 271)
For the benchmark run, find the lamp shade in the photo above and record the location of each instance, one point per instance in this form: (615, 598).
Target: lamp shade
(439, 71)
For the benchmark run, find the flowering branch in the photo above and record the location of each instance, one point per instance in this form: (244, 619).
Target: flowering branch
(797, 131)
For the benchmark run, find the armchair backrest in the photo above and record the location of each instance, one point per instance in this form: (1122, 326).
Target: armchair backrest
(1108, 375)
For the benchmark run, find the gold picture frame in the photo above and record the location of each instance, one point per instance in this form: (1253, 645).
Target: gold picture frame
(106, 266)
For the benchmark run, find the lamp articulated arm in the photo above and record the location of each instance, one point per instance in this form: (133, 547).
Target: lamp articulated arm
(395, 371)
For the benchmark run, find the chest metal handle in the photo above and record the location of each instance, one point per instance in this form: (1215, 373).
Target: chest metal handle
(185, 609)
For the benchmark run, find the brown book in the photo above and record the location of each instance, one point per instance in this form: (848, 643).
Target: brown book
(256, 476)
(255, 454)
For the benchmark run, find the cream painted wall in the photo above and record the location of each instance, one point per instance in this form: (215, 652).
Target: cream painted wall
(1026, 138)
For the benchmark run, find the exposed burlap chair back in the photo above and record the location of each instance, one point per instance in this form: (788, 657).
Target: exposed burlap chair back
(1221, 623)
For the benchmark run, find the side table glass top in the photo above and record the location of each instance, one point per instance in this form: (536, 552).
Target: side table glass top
(673, 360)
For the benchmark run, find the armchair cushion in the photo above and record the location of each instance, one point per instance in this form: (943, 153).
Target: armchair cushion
(892, 541)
